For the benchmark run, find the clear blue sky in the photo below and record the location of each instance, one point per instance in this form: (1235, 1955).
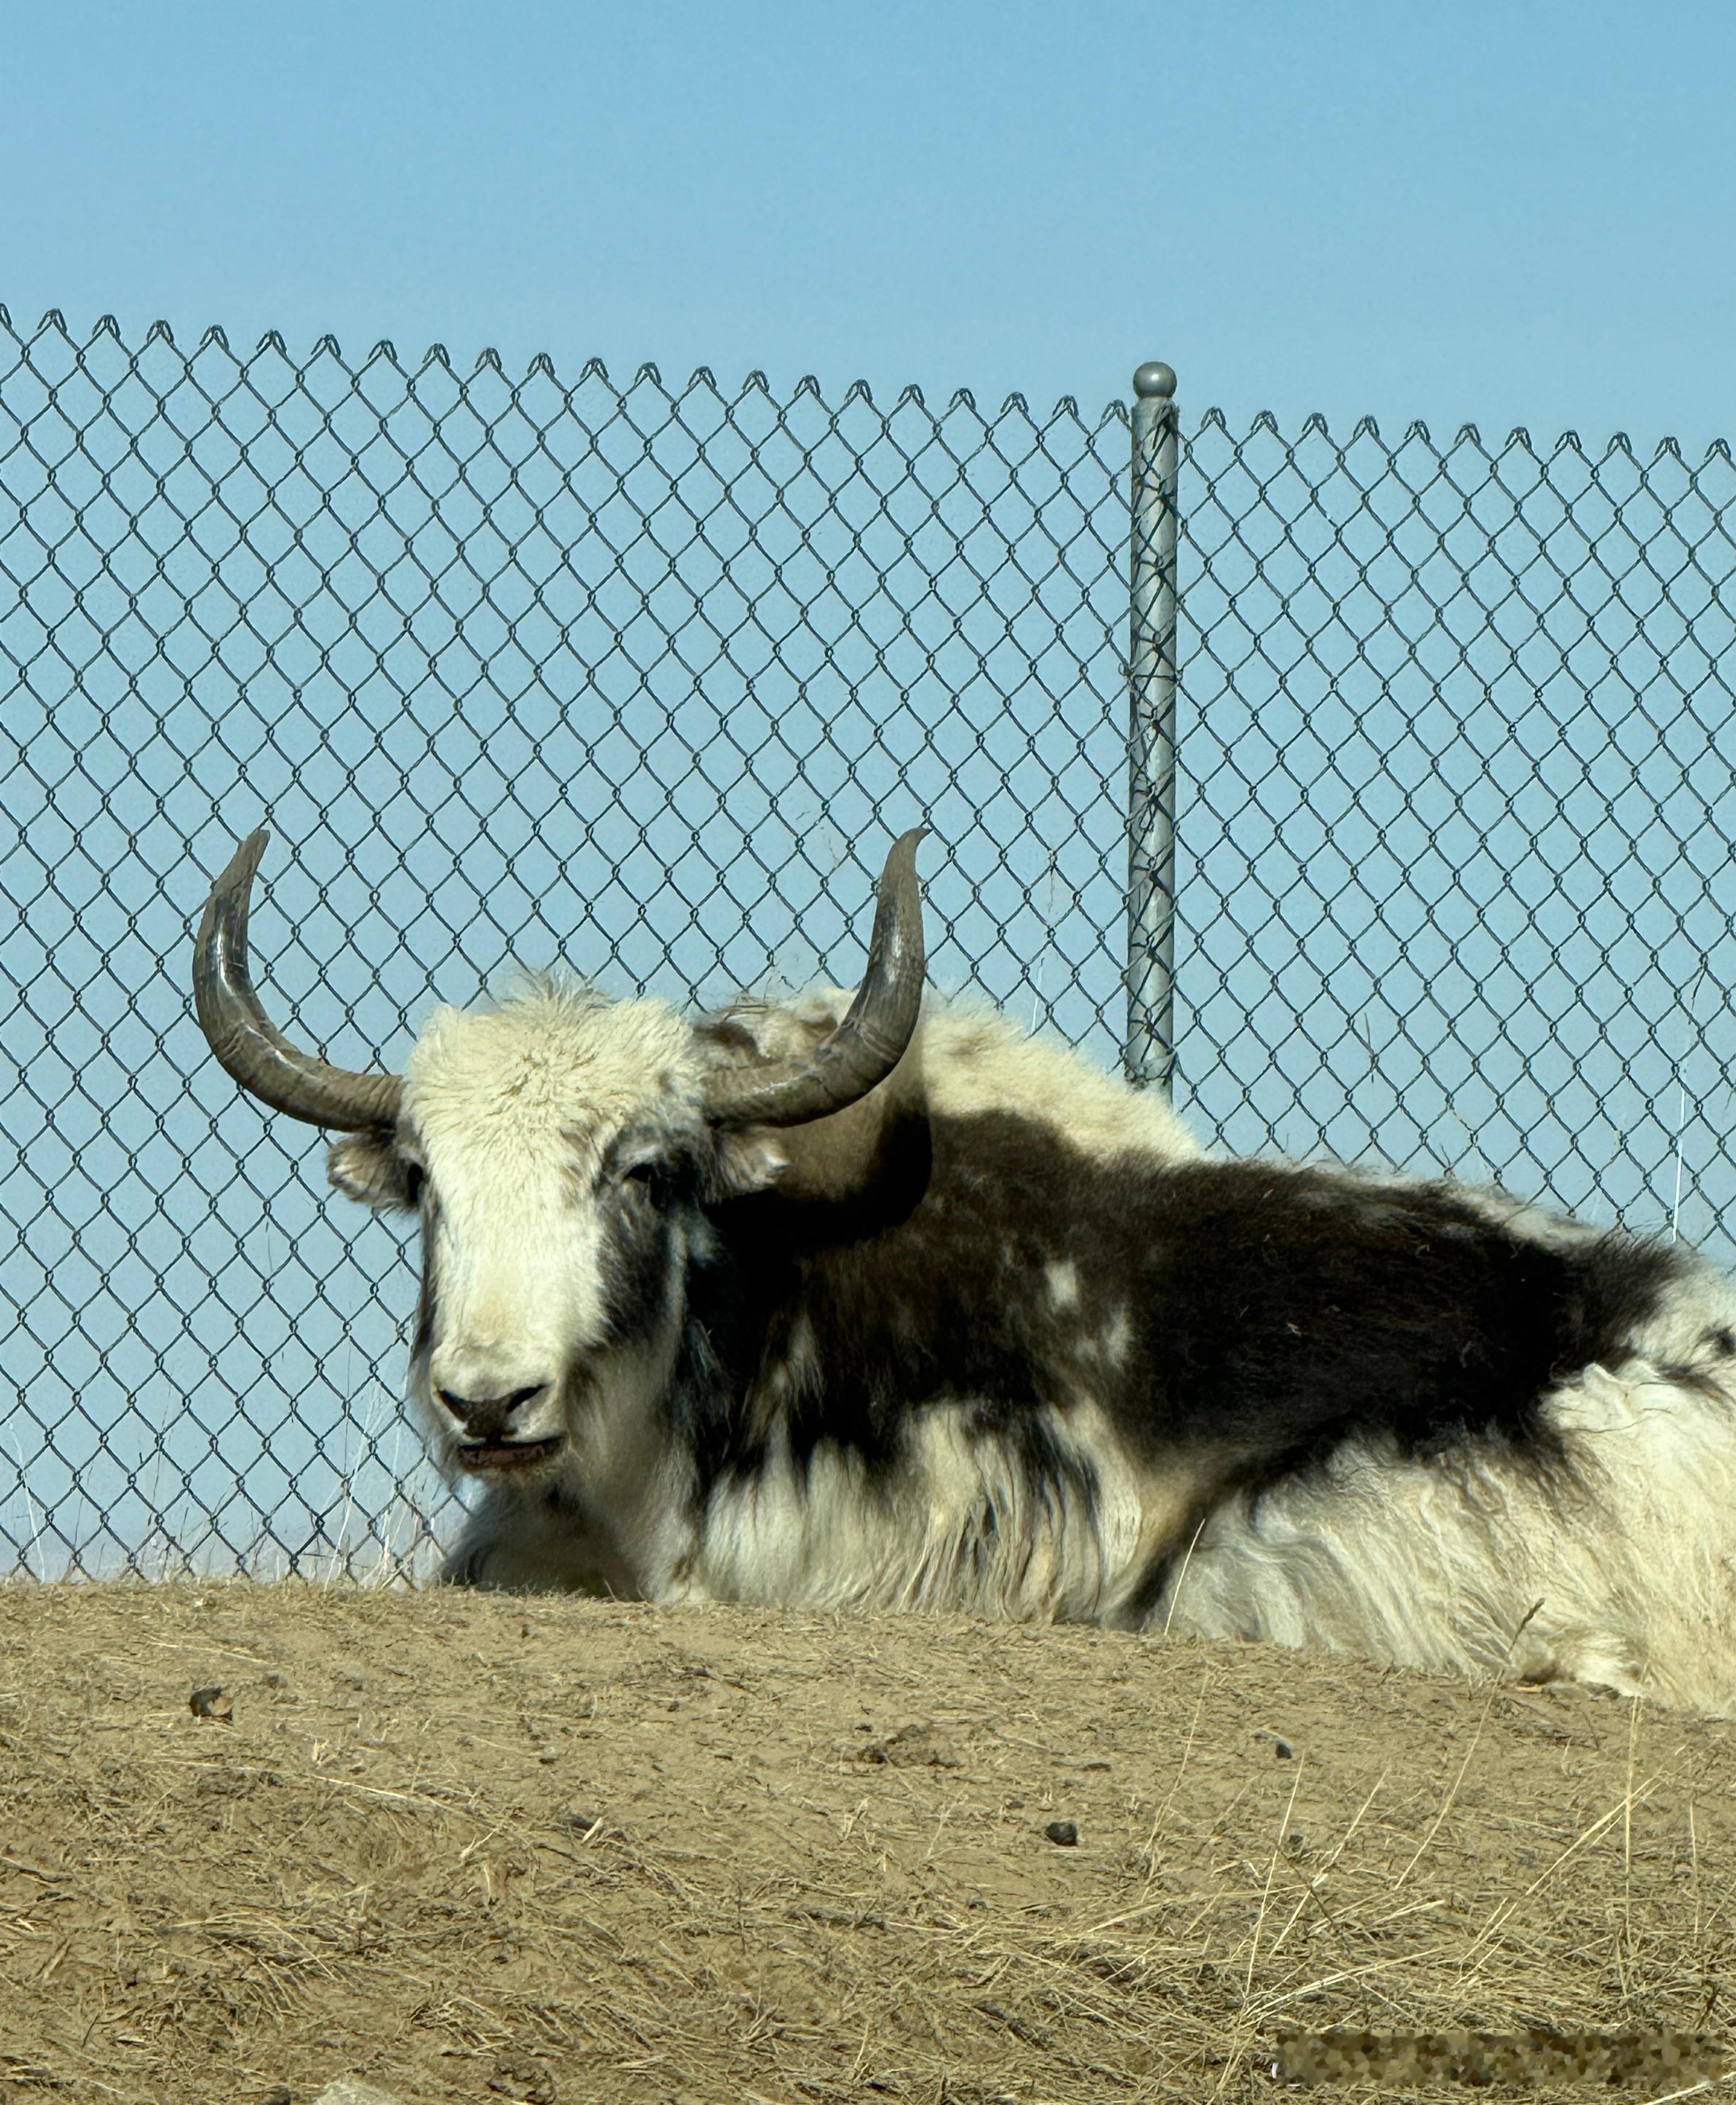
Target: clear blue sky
(1506, 211)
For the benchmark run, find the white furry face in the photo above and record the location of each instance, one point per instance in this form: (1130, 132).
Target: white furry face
(559, 1157)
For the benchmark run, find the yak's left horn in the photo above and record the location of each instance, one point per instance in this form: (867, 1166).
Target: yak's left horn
(868, 1043)
(244, 1038)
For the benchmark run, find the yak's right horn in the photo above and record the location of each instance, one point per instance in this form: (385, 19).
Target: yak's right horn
(244, 1038)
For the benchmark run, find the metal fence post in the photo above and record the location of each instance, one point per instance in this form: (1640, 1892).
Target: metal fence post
(1149, 1055)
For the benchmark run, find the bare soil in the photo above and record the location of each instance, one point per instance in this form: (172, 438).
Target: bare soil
(471, 1847)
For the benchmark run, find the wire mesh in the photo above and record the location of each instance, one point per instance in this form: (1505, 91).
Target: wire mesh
(1456, 876)
(641, 677)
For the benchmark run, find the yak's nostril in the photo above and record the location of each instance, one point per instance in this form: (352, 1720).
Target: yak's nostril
(483, 1415)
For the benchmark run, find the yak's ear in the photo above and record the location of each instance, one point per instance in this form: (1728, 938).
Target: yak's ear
(367, 1166)
(744, 1162)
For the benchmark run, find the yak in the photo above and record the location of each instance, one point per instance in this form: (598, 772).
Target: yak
(866, 1301)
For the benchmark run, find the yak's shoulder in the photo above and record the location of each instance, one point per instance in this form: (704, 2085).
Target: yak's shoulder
(970, 1071)
(977, 1063)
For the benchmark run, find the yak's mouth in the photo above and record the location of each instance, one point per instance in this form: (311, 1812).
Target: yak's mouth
(488, 1455)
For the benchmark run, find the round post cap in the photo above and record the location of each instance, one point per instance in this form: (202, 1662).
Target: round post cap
(1154, 379)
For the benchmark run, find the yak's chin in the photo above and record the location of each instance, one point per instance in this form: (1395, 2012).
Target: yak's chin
(500, 1458)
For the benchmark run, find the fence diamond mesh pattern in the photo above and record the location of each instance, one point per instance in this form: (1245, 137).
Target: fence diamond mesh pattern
(640, 678)
(1456, 883)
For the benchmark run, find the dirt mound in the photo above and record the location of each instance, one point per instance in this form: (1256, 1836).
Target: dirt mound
(471, 1848)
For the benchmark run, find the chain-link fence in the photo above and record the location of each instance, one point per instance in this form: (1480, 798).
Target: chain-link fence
(642, 677)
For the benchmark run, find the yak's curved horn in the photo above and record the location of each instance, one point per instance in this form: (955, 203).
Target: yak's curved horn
(868, 1044)
(245, 1040)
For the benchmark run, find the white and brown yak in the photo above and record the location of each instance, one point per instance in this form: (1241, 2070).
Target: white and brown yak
(842, 1303)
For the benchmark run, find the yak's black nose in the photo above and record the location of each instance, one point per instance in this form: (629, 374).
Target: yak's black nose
(488, 1417)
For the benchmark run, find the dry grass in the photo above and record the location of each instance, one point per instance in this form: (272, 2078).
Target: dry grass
(474, 1849)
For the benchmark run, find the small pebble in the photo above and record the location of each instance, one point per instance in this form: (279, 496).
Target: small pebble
(1064, 1833)
(214, 1703)
(1281, 1749)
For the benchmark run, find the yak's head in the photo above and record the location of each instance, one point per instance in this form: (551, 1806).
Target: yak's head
(562, 1151)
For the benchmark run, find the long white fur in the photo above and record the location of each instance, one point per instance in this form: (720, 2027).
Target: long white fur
(1625, 1575)
(1629, 1583)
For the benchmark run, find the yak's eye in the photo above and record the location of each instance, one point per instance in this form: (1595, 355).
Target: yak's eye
(638, 1165)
